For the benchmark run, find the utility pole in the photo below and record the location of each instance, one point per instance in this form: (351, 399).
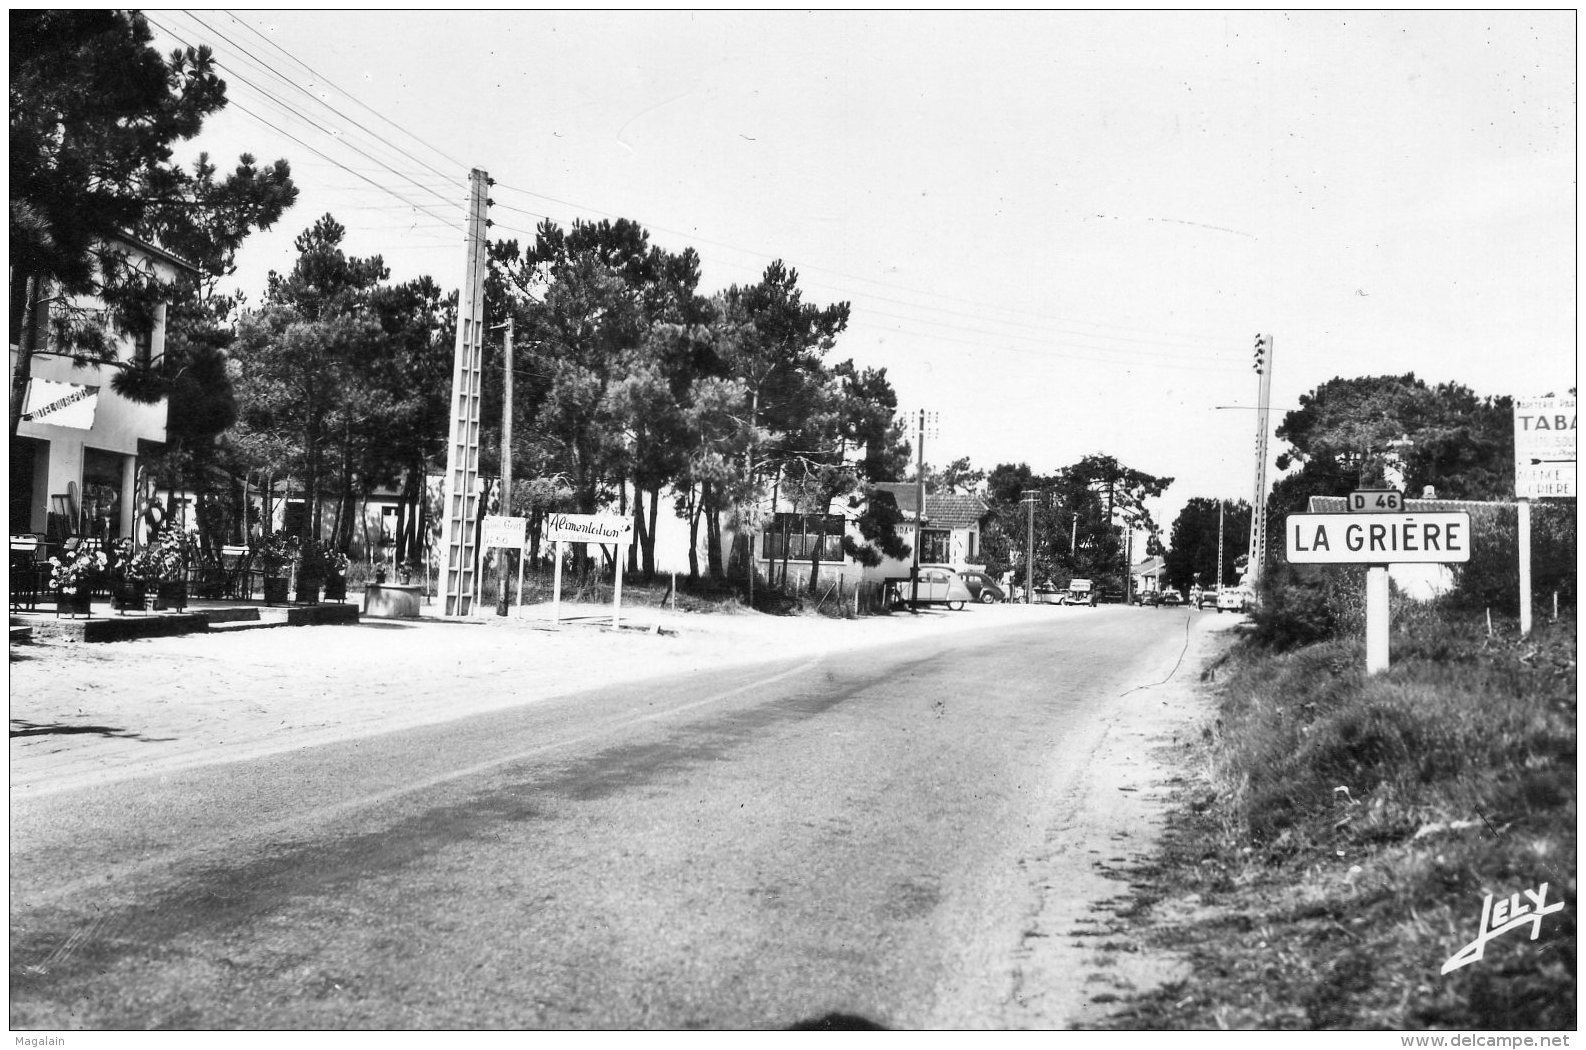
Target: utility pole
(1029, 554)
(506, 464)
(1220, 505)
(458, 540)
(919, 518)
(1258, 506)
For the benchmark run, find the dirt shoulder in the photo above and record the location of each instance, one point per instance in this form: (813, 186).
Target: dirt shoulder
(95, 713)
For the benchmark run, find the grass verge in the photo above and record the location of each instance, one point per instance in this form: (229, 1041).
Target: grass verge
(1334, 847)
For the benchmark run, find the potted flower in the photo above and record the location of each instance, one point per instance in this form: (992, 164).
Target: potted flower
(127, 576)
(313, 566)
(164, 565)
(74, 574)
(275, 555)
(336, 565)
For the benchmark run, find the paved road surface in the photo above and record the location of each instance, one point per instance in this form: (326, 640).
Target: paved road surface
(902, 836)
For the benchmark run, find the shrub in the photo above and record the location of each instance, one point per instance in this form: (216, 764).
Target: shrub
(1303, 605)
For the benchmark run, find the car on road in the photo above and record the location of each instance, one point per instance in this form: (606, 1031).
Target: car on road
(1232, 599)
(1145, 598)
(1080, 592)
(983, 588)
(1170, 598)
(1207, 599)
(938, 585)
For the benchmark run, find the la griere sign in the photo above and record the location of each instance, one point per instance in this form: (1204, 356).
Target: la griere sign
(1378, 539)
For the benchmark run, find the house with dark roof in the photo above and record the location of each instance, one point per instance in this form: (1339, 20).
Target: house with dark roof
(949, 535)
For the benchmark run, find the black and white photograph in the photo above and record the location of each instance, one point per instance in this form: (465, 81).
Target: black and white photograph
(645, 521)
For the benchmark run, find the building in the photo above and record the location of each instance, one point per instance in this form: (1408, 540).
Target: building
(76, 454)
(949, 534)
(1148, 576)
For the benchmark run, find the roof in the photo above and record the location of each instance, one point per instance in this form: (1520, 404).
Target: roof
(1340, 505)
(152, 249)
(1150, 567)
(943, 510)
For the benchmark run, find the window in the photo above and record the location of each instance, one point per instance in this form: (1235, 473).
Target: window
(801, 536)
(143, 346)
(936, 545)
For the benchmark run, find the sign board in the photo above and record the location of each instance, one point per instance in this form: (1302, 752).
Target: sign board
(1544, 447)
(500, 531)
(61, 404)
(1378, 539)
(1376, 501)
(588, 528)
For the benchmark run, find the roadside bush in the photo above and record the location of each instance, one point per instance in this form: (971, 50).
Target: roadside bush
(1491, 579)
(1352, 818)
(1305, 604)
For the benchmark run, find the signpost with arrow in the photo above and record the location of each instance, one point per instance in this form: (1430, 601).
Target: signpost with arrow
(1544, 468)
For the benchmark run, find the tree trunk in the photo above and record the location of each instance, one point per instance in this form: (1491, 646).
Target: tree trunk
(649, 535)
(693, 507)
(22, 367)
(713, 565)
(638, 529)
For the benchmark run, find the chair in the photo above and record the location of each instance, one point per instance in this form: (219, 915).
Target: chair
(234, 562)
(28, 575)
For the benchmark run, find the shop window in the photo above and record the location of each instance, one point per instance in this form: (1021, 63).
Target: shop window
(103, 474)
(802, 536)
(936, 546)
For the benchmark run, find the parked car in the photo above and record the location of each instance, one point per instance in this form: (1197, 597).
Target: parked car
(1145, 598)
(1207, 599)
(1170, 598)
(983, 588)
(938, 585)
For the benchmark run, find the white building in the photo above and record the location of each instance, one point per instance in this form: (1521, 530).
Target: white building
(75, 457)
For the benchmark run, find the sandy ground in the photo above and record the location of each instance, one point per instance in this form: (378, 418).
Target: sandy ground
(95, 713)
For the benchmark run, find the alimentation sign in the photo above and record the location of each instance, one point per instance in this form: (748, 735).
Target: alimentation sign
(1378, 539)
(588, 528)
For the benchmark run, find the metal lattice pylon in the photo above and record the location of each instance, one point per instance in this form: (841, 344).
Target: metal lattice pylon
(459, 573)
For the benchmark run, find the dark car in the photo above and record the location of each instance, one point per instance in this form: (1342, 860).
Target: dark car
(1171, 598)
(1144, 598)
(985, 589)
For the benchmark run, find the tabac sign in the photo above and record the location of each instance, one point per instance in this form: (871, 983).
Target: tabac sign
(1544, 447)
(1378, 539)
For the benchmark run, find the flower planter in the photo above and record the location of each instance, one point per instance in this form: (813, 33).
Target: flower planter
(74, 603)
(129, 595)
(336, 589)
(276, 590)
(173, 596)
(308, 592)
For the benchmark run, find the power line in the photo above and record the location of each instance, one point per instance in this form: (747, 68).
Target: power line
(440, 153)
(292, 110)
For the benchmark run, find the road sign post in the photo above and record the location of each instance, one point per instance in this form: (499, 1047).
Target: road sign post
(589, 528)
(1378, 539)
(1544, 466)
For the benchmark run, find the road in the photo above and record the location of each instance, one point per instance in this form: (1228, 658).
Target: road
(901, 836)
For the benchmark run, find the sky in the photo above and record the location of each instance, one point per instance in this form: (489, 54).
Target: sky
(1060, 233)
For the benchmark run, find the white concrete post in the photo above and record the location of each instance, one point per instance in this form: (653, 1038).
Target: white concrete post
(1523, 532)
(556, 587)
(1376, 619)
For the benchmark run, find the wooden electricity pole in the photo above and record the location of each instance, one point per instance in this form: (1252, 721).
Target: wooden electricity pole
(506, 465)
